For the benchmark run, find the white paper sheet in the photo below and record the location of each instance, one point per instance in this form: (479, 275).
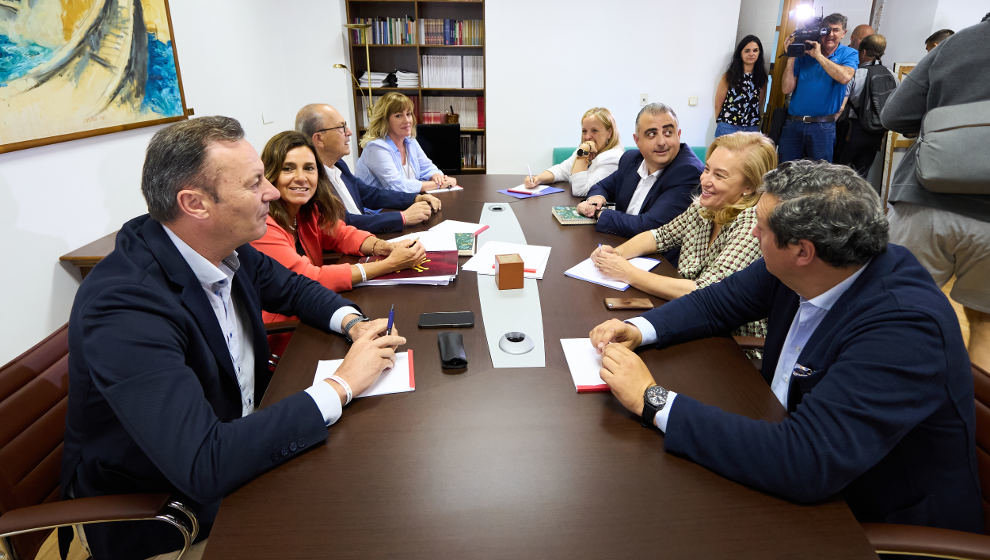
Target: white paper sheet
(455, 226)
(585, 363)
(534, 257)
(445, 189)
(585, 270)
(521, 189)
(431, 240)
(399, 379)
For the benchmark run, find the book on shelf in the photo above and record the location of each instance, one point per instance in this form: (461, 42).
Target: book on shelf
(472, 150)
(569, 216)
(469, 109)
(434, 31)
(453, 71)
(385, 31)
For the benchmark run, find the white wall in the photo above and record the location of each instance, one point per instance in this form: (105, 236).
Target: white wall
(62, 196)
(760, 18)
(907, 23)
(544, 70)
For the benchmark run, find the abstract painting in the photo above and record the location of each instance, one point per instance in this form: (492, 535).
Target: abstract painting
(76, 68)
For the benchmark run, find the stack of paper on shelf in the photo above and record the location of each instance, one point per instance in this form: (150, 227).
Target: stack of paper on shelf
(407, 79)
(535, 258)
(586, 270)
(439, 269)
(377, 79)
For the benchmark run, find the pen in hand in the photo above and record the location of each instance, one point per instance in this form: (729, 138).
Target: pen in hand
(391, 320)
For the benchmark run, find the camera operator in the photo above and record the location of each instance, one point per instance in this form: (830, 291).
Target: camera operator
(817, 82)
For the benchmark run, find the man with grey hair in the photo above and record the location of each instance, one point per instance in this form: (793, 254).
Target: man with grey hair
(331, 137)
(651, 186)
(816, 83)
(862, 349)
(168, 357)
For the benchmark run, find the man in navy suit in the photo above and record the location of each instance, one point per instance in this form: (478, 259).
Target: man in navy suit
(332, 138)
(167, 352)
(862, 349)
(651, 186)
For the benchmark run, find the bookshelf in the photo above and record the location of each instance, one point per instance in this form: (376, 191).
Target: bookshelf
(416, 36)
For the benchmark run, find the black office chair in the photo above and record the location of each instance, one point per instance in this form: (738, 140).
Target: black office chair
(442, 144)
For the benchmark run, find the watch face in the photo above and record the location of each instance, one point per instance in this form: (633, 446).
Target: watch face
(656, 396)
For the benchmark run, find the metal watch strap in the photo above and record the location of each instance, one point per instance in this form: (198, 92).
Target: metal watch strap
(347, 328)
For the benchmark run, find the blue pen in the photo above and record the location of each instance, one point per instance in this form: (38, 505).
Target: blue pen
(391, 319)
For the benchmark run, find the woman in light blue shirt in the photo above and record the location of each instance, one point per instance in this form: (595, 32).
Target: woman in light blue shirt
(392, 158)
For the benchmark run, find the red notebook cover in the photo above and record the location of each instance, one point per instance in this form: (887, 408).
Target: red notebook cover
(437, 263)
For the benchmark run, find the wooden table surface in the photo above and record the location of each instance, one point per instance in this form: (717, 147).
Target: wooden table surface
(512, 463)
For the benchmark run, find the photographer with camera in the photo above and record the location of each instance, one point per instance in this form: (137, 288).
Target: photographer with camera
(818, 69)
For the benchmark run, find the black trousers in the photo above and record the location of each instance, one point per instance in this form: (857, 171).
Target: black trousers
(860, 148)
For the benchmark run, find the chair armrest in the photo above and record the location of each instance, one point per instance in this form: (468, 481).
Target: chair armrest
(121, 507)
(281, 327)
(749, 342)
(928, 541)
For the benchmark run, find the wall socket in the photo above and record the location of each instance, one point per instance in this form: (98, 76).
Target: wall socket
(644, 98)
(693, 100)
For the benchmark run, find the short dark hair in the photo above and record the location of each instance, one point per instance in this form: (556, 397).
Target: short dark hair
(836, 18)
(829, 205)
(655, 109)
(939, 36)
(175, 159)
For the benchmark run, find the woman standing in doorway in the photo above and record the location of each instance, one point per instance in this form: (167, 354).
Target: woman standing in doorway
(742, 91)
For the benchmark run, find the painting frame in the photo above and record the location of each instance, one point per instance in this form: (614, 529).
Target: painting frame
(100, 129)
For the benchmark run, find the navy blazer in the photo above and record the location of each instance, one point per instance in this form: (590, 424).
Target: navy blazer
(668, 198)
(374, 198)
(154, 403)
(886, 419)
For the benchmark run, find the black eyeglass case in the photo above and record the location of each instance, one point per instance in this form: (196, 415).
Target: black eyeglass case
(452, 350)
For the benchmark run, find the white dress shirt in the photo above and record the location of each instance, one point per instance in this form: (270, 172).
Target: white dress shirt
(342, 193)
(217, 283)
(646, 182)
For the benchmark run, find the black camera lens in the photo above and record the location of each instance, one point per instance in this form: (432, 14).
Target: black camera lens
(581, 153)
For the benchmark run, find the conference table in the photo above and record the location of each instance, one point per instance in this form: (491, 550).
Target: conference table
(513, 462)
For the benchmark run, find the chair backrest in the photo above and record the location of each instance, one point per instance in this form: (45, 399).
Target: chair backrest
(34, 389)
(442, 144)
(981, 389)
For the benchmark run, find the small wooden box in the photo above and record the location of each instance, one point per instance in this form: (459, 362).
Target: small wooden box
(509, 272)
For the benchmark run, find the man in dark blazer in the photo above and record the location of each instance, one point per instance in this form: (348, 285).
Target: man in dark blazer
(332, 138)
(863, 350)
(651, 186)
(167, 352)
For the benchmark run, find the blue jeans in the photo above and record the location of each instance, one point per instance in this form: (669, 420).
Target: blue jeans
(721, 129)
(801, 140)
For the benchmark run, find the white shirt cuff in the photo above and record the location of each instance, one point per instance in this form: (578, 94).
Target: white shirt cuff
(660, 419)
(327, 400)
(645, 328)
(338, 317)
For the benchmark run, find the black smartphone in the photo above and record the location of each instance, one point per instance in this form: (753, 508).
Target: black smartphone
(444, 319)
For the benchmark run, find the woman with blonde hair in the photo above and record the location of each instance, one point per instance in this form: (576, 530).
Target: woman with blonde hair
(714, 233)
(596, 158)
(392, 158)
(306, 221)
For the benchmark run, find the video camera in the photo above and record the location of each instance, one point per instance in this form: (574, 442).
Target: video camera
(813, 30)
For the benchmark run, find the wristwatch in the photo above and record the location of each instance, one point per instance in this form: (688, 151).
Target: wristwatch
(654, 399)
(347, 328)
